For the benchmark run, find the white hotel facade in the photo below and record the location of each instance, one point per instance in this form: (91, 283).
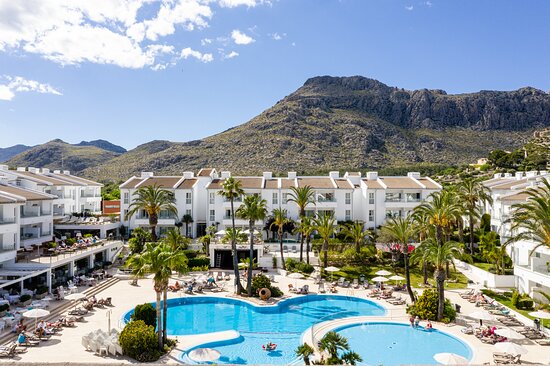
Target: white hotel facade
(370, 199)
(531, 268)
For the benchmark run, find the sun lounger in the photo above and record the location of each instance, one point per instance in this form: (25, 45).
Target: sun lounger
(9, 350)
(227, 277)
(322, 288)
(219, 277)
(355, 283)
(543, 342)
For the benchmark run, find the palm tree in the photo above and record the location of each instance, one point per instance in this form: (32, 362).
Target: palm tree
(252, 209)
(279, 220)
(357, 233)
(402, 230)
(232, 189)
(332, 343)
(305, 351)
(351, 358)
(440, 256)
(441, 212)
(152, 199)
(138, 239)
(175, 240)
(420, 256)
(306, 228)
(325, 226)
(187, 219)
(533, 217)
(472, 193)
(302, 196)
(159, 260)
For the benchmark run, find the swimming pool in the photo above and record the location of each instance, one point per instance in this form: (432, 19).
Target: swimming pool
(282, 324)
(385, 343)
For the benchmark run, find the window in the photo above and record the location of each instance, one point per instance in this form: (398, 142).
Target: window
(212, 214)
(275, 198)
(188, 198)
(188, 212)
(285, 198)
(371, 198)
(227, 214)
(371, 215)
(393, 197)
(125, 217)
(126, 197)
(348, 198)
(348, 215)
(212, 198)
(412, 197)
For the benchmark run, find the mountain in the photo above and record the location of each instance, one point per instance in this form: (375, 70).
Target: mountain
(7, 153)
(352, 123)
(58, 154)
(102, 144)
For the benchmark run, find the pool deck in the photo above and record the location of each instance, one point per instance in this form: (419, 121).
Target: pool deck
(66, 347)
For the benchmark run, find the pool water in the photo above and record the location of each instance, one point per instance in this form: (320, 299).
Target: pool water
(282, 324)
(382, 343)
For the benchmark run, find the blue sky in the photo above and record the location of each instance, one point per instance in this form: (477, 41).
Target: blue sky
(131, 71)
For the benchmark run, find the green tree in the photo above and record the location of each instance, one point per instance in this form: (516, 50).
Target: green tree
(325, 225)
(351, 358)
(302, 197)
(357, 233)
(232, 189)
(159, 260)
(441, 211)
(306, 228)
(175, 240)
(138, 239)
(187, 219)
(402, 230)
(279, 220)
(440, 256)
(305, 351)
(253, 209)
(472, 194)
(152, 199)
(332, 343)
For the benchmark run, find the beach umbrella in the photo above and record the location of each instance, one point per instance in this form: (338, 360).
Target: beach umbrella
(383, 272)
(255, 231)
(379, 279)
(331, 270)
(297, 276)
(482, 315)
(396, 278)
(450, 359)
(204, 355)
(76, 296)
(221, 232)
(35, 314)
(511, 348)
(509, 333)
(540, 314)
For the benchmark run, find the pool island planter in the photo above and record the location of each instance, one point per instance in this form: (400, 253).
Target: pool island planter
(487, 279)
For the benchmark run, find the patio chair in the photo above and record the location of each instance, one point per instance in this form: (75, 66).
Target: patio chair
(341, 281)
(285, 249)
(355, 283)
(9, 350)
(322, 288)
(294, 250)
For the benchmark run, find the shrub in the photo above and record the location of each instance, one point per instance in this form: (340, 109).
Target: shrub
(42, 290)
(139, 341)
(87, 236)
(515, 298)
(200, 268)
(189, 253)
(145, 312)
(262, 281)
(426, 307)
(304, 268)
(4, 307)
(199, 262)
(24, 298)
(526, 304)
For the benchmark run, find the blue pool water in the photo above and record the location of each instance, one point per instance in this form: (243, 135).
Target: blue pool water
(381, 343)
(282, 324)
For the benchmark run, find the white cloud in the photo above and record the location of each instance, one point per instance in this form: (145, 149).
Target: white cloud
(231, 54)
(116, 32)
(19, 85)
(203, 57)
(276, 36)
(409, 7)
(241, 38)
(205, 41)
(428, 4)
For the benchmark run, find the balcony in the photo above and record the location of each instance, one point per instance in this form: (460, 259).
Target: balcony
(89, 195)
(25, 214)
(7, 220)
(539, 274)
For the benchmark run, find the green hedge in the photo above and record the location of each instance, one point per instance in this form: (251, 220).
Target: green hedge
(139, 341)
(198, 262)
(261, 281)
(145, 312)
(525, 304)
(426, 307)
(293, 265)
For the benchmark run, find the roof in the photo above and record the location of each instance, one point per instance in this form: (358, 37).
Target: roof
(429, 184)
(373, 184)
(44, 178)
(215, 184)
(131, 183)
(76, 179)
(399, 182)
(246, 183)
(27, 194)
(508, 184)
(288, 183)
(343, 183)
(315, 182)
(205, 172)
(162, 182)
(271, 183)
(353, 174)
(187, 183)
(8, 199)
(522, 196)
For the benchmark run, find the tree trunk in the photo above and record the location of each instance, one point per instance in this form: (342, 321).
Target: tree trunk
(186, 230)
(306, 360)
(281, 248)
(307, 249)
(301, 247)
(164, 315)
(447, 270)
(159, 320)
(154, 237)
(425, 271)
(440, 280)
(358, 247)
(471, 224)
(407, 273)
(235, 253)
(439, 235)
(249, 279)
(325, 253)
(460, 225)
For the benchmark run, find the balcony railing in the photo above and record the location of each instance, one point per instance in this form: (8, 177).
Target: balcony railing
(89, 195)
(7, 247)
(30, 214)
(237, 199)
(7, 220)
(28, 236)
(326, 199)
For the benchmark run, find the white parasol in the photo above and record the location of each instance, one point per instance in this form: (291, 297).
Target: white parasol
(509, 333)
(35, 314)
(511, 348)
(204, 355)
(297, 276)
(383, 272)
(379, 279)
(482, 315)
(331, 270)
(450, 359)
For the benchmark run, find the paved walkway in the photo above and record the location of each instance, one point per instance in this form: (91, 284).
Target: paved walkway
(67, 346)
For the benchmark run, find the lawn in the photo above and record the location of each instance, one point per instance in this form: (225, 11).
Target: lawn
(507, 301)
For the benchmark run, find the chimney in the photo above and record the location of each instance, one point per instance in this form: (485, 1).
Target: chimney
(414, 175)
(188, 175)
(267, 175)
(67, 172)
(45, 171)
(507, 175)
(542, 172)
(497, 175)
(519, 175)
(147, 174)
(57, 171)
(21, 169)
(372, 175)
(225, 174)
(291, 175)
(3, 167)
(531, 174)
(334, 174)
